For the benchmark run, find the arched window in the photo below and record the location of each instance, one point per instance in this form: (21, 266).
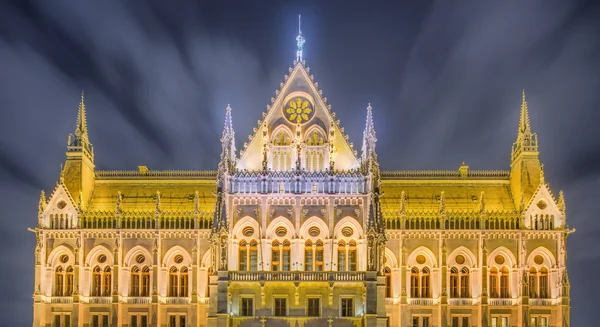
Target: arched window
(69, 284)
(286, 258)
(253, 255)
(454, 283)
(275, 256)
(465, 283)
(248, 255)
(533, 283)
(544, 294)
(352, 256)
(504, 291)
(319, 256)
(414, 283)
(106, 281)
(97, 281)
(494, 283)
(243, 256)
(145, 281)
(183, 282)
(134, 290)
(425, 283)
(173, 279)
(59, 282)
(308, 256)
(388, 282)
(341, 256)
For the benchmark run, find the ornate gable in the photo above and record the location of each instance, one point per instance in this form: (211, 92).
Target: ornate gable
(61, 211)
(542, 210)
(301, 119)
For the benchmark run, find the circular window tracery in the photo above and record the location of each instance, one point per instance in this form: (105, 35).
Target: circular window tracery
(61, 205)
(298, 110)
(102, 258)
(542, 204)
(347, 231)
(140, 258)
(248, 231)
(460, 259)
(538, 259)
(64, 258)
(281, 231)
(314, 231)
(421, 259)
(499, 259)
(178, 258)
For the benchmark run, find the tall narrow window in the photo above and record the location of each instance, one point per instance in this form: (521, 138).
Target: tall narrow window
(504, 283)
(69, 284)
(352, 256)
(533, 283)
(253, 255)
(280, 307)
(285, 251)
(308, 256)
(465, 284)
(425, 285)
(544, 283)
(342, 256)
(388, 282)
(275, 256)
(313, 307)
(134, 289)
(97, 282)
(243, 257)
(247, 307)
(145, 291)
(454, 285)
(494, 282)
(414, 283)
(106, 281)
(59, 282)
(173, 281)
(319, 256)
(183, 282)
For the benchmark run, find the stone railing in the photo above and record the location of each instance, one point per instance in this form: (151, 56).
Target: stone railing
(176, 300)
(138, 300)
(541, 302)
(417, 301)
(156, 174)
(100, 300)
(502, 302)
(297, 321)
(337, 276)
(59, 299)
(467, 301)
(445, 174)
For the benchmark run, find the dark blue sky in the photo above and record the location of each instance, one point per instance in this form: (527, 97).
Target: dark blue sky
(444, 79)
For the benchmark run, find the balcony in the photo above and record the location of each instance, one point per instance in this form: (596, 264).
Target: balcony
(59, 299)
(294, 276)
(138, 300)
(298, 321)
(502, 302)
(100, 300)
(419, 301)
(541, 302)
(176, 300)
(462, 301)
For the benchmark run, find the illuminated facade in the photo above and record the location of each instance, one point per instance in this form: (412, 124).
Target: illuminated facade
(296, 231)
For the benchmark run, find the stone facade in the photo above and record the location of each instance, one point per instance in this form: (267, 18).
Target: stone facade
(301, 230)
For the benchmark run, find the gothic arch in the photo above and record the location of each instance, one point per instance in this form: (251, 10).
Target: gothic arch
(511, 260)
(277, 222)
(92, 256)
(277, 132)
(310, 222)
(53, 258)
(430, 259)
(549, 260)
(244, 222)
(169, 257)
(390, 258)
(315, 128)
(348, 221)
(206, 259)
(470, 259)
(129, 259)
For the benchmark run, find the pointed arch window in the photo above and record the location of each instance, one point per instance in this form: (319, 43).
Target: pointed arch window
(538, 283)
(533, 283)
(460, 284)
(106, 281)
(97, 281)
(544, 294)
(425, 283)
(504, 286)
(313, 256)
(173, 280)
(494, 283)
(69, 281)
(248, 255)
(134, 289)
(183, 282)
(308, 256)
(465, 283)
(388, 282)
(454, 283)
(59, 281)
(347, 256)
(414, 283)
(145, 289)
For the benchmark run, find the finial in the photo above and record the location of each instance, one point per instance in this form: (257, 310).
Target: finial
(481, 203)
(442, 202)
(561, 202)
(43, 202)
(524, 125)
(299, 41)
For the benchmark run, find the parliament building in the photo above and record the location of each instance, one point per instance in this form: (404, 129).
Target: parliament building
(300, 229)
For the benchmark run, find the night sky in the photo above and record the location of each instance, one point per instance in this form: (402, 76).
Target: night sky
(444, 81)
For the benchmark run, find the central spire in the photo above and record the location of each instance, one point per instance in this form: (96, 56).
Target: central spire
(299, 40)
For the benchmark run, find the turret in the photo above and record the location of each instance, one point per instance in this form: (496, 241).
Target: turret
(525, 168)
(228, 157)
(78, 170)
(369, 136)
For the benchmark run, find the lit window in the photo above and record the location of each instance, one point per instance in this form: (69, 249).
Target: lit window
(313, 307)
(280, 307)
(347, 307)
(247, 307)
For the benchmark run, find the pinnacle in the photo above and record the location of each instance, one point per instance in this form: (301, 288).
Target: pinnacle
(524, 124)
